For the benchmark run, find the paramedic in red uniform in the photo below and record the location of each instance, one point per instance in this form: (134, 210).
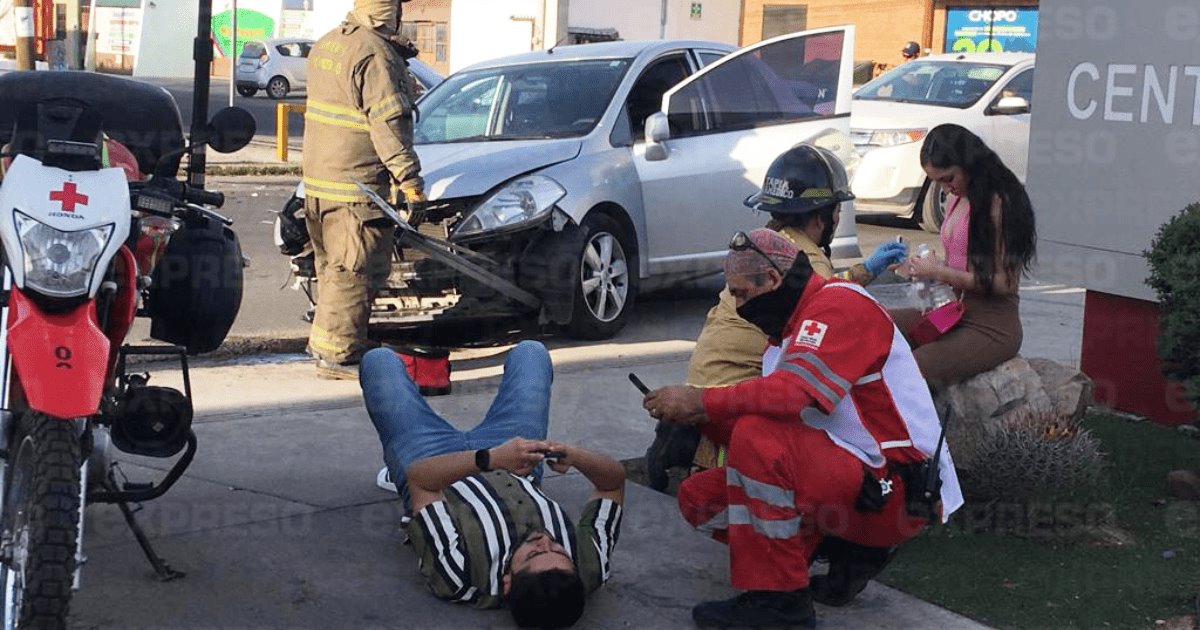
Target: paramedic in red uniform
(821, 449)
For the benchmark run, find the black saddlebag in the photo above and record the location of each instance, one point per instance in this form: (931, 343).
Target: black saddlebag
(196, 289)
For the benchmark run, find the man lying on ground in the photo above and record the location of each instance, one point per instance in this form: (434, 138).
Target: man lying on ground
(484, 531)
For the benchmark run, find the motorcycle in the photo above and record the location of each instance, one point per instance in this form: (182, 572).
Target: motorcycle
(84, 252)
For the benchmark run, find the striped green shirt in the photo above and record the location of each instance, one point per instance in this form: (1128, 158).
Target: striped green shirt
(465, 541)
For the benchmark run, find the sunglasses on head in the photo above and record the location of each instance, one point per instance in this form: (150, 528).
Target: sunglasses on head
(741, 242)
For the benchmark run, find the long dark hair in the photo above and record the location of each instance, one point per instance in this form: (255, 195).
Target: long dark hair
(949, 145)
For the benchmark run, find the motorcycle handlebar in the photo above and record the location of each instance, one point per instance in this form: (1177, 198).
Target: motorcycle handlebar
(204, 197)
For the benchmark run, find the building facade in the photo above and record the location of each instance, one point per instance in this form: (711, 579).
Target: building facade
(884, 26)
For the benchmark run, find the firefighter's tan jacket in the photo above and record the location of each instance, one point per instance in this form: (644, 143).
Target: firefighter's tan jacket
(358, 123)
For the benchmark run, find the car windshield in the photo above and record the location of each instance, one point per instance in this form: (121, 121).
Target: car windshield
(532, 101)
(945, 83)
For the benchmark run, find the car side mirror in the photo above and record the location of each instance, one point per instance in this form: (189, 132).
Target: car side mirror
(1010, 105)
(657, 132)
(231, 129)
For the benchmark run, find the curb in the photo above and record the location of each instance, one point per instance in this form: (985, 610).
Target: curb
(251, 169)
(235, 348)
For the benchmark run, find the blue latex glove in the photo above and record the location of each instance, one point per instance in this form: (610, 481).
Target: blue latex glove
(886, 255)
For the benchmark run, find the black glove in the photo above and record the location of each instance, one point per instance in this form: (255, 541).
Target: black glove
(416, 211)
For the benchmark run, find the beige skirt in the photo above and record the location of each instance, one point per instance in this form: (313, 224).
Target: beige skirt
(988, 335)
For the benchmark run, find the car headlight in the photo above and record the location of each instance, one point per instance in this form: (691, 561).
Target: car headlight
(60, 264)
(525, 200)
(893, 137)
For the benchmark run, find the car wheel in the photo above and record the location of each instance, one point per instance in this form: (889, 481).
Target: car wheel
(586, 276)
(278, 87)
(933, 207)
(605, 280)
(246, 90)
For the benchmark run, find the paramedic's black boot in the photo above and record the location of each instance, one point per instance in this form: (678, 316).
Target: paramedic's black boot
(851, 567)
(758, 609)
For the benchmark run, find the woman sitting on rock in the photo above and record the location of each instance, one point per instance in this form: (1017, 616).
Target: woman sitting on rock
(989, 238)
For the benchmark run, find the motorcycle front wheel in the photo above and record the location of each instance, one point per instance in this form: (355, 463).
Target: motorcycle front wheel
(40, 522)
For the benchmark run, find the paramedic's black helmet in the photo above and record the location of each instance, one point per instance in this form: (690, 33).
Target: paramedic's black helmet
(911, 49)
(804, 179)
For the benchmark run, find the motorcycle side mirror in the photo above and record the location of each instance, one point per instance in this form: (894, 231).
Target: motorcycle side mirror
(230, 130)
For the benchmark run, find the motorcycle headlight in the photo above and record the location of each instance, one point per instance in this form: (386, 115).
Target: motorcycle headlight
(60, 264)
(893, 137)
(525, 200)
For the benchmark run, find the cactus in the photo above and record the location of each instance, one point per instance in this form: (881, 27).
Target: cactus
(1040, 456)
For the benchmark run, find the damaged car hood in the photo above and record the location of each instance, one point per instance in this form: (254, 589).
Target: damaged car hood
(465, 169)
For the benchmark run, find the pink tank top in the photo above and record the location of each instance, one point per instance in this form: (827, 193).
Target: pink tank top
(955, 231)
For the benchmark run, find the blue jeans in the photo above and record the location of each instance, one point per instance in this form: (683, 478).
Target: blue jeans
(410, 430)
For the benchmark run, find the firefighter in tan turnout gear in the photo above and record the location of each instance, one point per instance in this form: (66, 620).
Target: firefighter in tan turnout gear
(358, 127)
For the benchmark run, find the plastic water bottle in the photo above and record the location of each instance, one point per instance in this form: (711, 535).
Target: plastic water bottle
(930, 294)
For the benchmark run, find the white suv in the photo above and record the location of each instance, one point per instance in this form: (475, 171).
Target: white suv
(988, 93)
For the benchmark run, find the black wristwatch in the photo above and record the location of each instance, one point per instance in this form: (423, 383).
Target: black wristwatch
(483, 459)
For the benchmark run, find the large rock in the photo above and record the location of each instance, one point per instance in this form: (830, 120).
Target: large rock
(1012, 392)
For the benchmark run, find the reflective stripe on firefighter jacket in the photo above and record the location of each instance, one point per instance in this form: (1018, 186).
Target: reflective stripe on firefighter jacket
(840, 369)
(358, 122)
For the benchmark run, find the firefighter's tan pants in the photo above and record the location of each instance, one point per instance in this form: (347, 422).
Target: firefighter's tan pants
(353, 251)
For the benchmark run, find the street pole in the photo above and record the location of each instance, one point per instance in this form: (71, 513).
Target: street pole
(202, 53)
(73, 32)
(233, 53)
(23, 14)
(662, 23)
(89, 54)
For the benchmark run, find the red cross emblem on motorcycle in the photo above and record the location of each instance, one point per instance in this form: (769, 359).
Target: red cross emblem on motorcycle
(68, 197)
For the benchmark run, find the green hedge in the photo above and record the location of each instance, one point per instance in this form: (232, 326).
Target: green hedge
(1174, 258)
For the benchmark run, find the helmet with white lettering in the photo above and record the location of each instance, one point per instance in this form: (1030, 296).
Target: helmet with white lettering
(803, 179)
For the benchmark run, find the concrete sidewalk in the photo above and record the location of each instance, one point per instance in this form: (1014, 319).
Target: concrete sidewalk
(278, 522)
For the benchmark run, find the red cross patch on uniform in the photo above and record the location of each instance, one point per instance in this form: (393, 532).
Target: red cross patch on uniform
(811, 333)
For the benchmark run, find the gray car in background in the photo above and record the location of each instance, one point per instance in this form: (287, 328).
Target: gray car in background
(274, 65)
(578, 176)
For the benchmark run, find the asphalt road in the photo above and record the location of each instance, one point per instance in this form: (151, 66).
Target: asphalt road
(261, 107)
(270, 308)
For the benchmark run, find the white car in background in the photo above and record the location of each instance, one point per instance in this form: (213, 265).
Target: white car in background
(988, 93)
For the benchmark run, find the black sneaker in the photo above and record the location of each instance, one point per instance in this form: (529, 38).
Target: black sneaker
(673, 445)
(851, 567)
(758, 609)
(334, 371)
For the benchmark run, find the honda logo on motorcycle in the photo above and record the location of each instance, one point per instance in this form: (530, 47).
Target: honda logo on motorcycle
(68, 197)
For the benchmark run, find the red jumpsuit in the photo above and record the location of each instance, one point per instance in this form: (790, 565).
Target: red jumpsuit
(842, 396)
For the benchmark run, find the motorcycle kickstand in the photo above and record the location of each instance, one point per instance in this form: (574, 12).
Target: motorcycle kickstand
(164, 570)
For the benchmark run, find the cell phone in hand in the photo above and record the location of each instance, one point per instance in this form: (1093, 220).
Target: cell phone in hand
(637, 382)
(553, 455)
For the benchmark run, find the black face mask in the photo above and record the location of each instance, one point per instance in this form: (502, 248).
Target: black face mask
(770, 311)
